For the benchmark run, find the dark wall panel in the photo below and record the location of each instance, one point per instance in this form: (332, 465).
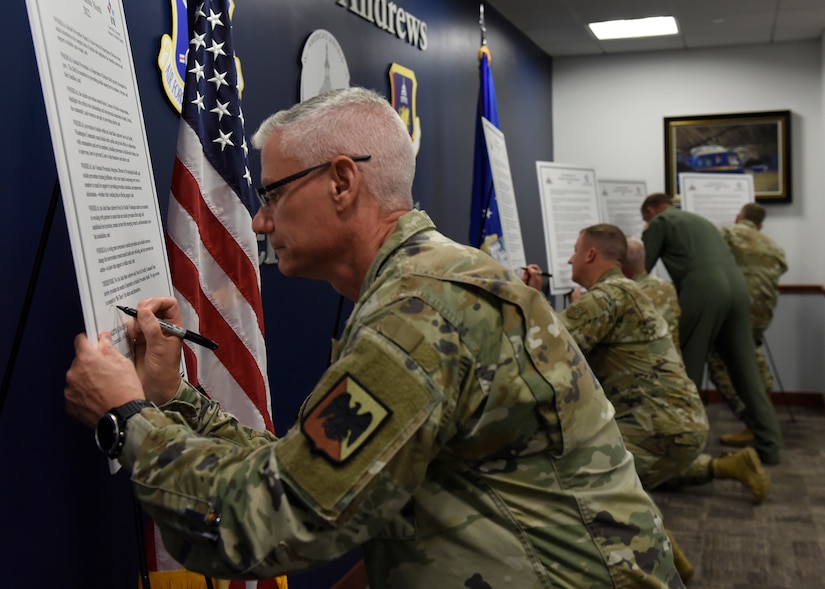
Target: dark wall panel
(62, 506)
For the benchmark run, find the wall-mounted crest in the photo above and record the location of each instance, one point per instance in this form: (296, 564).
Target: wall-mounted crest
(403, 90)
(324, 66)
(172, 54)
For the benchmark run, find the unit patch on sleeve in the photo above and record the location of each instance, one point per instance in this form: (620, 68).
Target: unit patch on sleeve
(344, 420)
(575, 311)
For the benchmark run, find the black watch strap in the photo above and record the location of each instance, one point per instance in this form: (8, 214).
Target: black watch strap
(127, 410)
(110, 434)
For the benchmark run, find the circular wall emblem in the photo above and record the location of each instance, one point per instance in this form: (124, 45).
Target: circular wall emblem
(323, 64)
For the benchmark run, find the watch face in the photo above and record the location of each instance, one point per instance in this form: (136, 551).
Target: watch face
(106, 433)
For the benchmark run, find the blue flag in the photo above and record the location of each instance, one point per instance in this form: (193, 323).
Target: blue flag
(485, 223)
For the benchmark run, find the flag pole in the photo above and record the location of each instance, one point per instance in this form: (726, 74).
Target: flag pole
(482, 50)
(482, 25)
(143, 562)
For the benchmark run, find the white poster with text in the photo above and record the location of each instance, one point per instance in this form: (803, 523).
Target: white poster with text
(716, 197)
(621, 204)
(102, 156)
(505, 195)
(569, 204)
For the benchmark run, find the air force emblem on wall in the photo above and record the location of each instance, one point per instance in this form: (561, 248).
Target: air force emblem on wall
(345, 419)
(404, 88)
(172, 54)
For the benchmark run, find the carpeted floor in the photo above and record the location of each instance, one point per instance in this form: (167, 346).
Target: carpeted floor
(780, 544)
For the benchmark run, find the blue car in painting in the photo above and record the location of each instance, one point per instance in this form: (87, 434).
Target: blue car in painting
(710, 158)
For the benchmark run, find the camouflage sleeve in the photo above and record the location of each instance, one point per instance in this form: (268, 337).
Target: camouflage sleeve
(590, 318)
(203, 415)
(366, 436)
(220, 506)
(781, 261)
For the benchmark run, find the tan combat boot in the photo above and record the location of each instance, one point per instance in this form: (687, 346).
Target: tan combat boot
(745, 467)
(739, 439)
(683, 566)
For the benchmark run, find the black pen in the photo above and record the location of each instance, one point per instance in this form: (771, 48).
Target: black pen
(177, 330)
(547, 274)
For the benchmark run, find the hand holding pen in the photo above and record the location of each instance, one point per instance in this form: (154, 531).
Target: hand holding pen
(157, 357)
(533, 275)
(176, 330)
(101, 377)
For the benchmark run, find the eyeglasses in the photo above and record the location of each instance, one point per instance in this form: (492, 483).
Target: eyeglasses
(263, 192)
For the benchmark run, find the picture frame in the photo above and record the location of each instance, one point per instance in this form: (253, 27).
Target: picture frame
(756, 143)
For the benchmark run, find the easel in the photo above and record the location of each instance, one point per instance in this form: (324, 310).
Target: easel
(27, 301)
(15, 347)
(776, 376)
(707, 381)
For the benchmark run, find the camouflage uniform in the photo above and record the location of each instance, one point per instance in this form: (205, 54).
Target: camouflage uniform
(664, 297)
(658, 408)
(458, 436)
(762, 263)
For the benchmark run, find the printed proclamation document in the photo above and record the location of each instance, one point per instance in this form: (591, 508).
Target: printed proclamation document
(102, 156)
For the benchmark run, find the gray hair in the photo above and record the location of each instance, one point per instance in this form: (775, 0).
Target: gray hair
(349, 121)
(634, 261)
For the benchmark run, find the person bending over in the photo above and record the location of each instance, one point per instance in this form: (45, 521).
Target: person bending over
(714, 301)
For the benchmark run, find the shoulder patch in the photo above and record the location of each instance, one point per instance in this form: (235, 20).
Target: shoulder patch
(344, 420)
(369, 406)
(575, 311)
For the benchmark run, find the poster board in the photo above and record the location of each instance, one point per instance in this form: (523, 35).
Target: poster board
(621, 204)
(505, 195)
(102, 155)
(569, 203)
(716, 197)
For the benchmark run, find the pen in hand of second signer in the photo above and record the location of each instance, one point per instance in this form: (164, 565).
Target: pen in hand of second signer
(177, 330)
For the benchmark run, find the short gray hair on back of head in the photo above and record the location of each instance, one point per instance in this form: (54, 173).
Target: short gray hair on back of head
(634, 260)
(349, 121)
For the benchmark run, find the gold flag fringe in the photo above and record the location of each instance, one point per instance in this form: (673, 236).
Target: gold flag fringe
(184, 579)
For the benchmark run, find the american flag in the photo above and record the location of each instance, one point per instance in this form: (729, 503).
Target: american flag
(213, 252)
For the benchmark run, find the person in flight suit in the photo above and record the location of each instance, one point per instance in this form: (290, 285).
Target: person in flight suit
(762, 262)
(714, 301)
(458, 436)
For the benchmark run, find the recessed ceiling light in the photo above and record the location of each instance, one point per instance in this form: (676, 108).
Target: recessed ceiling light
(654, 26)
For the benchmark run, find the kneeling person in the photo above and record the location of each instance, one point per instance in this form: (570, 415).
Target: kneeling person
(628, 345)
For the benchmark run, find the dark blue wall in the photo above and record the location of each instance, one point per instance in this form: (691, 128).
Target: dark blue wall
(65, 517)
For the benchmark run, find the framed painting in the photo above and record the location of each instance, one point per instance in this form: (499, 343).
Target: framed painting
(756, 143)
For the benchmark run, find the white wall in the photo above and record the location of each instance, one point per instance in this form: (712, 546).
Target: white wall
(795, 340)
(608, 113)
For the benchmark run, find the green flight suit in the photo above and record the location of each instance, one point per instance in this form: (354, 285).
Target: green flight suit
(715, 313)
(458, 436)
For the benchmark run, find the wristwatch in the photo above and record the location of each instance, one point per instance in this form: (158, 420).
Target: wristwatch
(110, 433)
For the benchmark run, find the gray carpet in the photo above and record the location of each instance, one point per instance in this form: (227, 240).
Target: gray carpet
(780, 544)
